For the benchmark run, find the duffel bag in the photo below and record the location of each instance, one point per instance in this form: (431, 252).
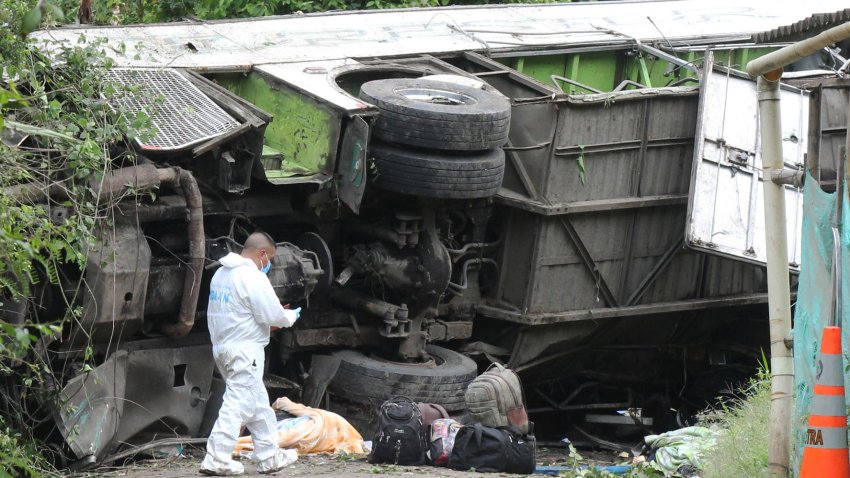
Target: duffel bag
(486, 449)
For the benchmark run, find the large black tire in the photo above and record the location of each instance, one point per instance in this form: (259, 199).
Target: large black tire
(364, 379)
(438, 115)
(437, 175)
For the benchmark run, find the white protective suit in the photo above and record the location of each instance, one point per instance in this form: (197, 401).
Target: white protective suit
(242, 309)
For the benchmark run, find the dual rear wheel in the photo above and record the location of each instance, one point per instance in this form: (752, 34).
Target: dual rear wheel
(437, 139)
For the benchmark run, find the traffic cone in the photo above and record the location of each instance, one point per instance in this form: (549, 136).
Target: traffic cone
(825, 454)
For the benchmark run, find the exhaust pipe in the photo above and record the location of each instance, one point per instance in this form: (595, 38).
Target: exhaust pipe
(113, 185)
(188, 186)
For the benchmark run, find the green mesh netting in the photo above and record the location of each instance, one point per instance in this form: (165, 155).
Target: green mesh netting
(814, 295)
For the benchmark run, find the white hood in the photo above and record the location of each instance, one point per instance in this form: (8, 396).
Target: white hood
(235, 260)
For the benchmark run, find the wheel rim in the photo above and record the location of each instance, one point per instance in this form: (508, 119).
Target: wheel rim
(435, 96)
(433, 361)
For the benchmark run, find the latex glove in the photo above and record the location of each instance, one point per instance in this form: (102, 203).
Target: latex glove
(292, 314)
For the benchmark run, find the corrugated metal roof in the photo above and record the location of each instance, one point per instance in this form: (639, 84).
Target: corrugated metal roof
(335, 36)
(804, 28)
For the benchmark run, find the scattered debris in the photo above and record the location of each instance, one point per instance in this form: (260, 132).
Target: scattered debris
(681, 451)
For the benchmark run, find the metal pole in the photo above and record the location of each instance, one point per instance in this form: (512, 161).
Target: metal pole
(791, 53)
(836, 305)
(778, 287)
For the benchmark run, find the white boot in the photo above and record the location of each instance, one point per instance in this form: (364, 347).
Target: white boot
(281, 459)
(212, 467)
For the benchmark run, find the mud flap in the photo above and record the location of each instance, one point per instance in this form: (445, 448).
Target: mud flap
(351, 167)
(90, 407)
(153, 387)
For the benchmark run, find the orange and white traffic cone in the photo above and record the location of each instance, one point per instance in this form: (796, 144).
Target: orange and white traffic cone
(825, 454)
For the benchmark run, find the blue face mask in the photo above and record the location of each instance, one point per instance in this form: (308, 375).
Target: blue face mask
(265, 269)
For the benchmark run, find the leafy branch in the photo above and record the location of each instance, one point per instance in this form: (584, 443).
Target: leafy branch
(582, 172)
(59, 133)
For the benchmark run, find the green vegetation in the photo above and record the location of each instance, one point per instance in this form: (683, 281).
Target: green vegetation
(742, 449)
(383, 469)
(20, 457)
(60, 134)
(580, 469)
(149, 11)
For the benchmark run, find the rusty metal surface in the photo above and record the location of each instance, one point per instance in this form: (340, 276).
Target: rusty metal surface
(165, 287)
(331, 336)
(611, 242)
(365, 335)
(632, 146)
(443, 331)
(92, 407)
(111, 406)
(827, 129)
(510, 198)
(116, 281)
(603, 313)
(195, 232)
(171, 399)
(295, 273)
(805, 28)
(351, 169)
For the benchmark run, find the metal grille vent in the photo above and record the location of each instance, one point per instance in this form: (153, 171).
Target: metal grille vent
(181, 114)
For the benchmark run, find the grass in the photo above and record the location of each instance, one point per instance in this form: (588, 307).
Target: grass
(19, 458)
(742, 447)
(383, 469)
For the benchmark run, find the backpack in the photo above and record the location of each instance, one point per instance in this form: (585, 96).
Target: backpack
(486, 449)
(400, 439)
(495, 399)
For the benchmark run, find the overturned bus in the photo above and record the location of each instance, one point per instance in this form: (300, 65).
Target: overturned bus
(572, 190)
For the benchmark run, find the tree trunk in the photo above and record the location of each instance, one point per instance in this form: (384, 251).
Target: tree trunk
(84, 14)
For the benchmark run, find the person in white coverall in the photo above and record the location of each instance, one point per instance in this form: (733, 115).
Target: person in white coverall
(242, 309)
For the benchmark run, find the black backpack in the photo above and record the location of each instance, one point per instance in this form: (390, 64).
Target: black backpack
(486, 449)
(400, 439)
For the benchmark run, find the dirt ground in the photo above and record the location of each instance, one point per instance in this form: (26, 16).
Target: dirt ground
(324, 466)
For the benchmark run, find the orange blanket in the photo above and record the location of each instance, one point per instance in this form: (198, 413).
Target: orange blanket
(314, 431)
